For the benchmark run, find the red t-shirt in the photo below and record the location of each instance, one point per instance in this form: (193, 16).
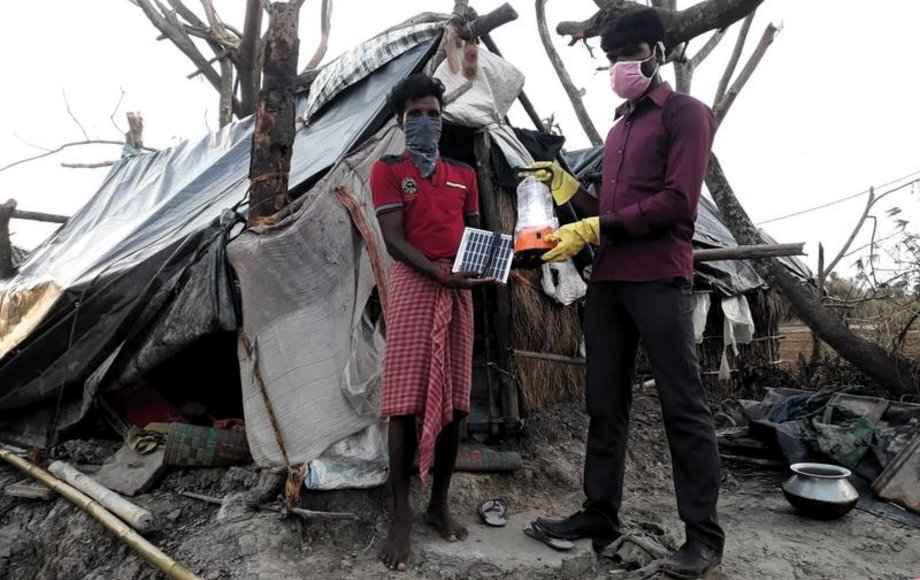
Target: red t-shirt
(434, 208)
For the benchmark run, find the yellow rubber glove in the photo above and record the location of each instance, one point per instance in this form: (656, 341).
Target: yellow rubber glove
(562, 184)
(571, 238)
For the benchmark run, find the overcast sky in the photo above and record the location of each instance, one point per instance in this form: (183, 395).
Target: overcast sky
(830, 111)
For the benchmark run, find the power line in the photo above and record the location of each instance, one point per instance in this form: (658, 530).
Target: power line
(840, 200)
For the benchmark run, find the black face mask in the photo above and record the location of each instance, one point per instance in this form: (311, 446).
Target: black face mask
(422, 136)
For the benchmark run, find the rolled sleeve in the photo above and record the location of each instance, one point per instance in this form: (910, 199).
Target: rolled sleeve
(691, 129)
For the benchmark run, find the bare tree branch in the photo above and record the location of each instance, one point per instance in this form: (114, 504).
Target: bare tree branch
(225, 110)
(325, 27)
(96, 165)
(167, 23)
(721, 108)
(115, 111)
(859, 224)
(248, 65)
(680, 26)
(72, 116)
(61, 148)
(736, 56)
(570, 90)
(707, 49)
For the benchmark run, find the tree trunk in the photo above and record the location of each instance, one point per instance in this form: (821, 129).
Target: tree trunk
(273, 138)
(6, 247)
(892, 372)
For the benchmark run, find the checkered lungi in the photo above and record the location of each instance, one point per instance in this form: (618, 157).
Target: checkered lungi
(427, 367)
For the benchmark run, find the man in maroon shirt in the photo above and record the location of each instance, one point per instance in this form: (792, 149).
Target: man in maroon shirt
(655, 159)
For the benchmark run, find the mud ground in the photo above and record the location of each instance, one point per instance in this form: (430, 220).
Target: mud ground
(765, 538)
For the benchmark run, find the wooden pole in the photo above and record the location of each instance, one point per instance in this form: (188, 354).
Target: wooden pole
(37, 216)
(273, 137)
(118, 528)
(549, 357)
(137, 517)
(487, 195)
(749, 252)
(6, 247)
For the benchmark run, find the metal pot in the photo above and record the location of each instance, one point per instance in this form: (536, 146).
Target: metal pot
(820, 491)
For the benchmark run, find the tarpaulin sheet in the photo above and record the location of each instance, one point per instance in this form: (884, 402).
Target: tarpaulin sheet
(119, 263)
(730, 277)
(308, 354)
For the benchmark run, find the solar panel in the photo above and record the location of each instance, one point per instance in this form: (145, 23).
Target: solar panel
(486, 253)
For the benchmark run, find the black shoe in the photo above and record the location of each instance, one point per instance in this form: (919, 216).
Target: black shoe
(692, 560)
(584, 524)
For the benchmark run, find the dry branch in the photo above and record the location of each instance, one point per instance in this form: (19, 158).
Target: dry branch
(61, 148)
(325, 27)
(72, 116)
(96, 165)
(735, 57)
(680, 26)
(720, 109)
(249, 66)
(567, 84)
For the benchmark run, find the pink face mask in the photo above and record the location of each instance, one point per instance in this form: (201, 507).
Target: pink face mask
(627, 80)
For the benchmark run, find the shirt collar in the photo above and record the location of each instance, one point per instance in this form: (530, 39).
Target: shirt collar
(658, 95)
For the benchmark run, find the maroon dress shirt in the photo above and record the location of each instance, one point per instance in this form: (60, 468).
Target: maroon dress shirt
(655, 159)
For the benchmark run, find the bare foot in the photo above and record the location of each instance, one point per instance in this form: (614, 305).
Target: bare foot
(445, 523)
(395, 552)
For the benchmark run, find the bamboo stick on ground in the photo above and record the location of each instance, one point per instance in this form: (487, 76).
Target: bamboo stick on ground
(118, 528)
(137, 517)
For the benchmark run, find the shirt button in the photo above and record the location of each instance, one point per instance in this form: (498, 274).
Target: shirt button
(620, 151)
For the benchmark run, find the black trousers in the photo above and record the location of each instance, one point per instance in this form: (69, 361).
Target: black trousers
(617, 315)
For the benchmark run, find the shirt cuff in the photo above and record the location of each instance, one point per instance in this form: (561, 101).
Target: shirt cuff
(387, 208)
(633, 221)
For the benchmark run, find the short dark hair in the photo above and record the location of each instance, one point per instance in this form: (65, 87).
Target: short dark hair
(416, 86)
(637, 26)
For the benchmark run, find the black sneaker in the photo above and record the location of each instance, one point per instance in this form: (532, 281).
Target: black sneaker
(583, 524)
(692, 560)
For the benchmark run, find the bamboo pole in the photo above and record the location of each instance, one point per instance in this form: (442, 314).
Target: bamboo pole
(137, 517)
(119, 529)
(749, 252)
(549, 357)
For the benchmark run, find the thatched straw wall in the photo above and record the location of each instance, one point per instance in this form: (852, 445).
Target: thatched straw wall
(540, 325)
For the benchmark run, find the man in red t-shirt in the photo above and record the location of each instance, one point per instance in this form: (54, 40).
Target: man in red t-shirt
(423, 202)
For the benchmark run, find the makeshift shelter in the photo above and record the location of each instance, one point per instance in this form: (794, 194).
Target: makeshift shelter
(155, 282)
